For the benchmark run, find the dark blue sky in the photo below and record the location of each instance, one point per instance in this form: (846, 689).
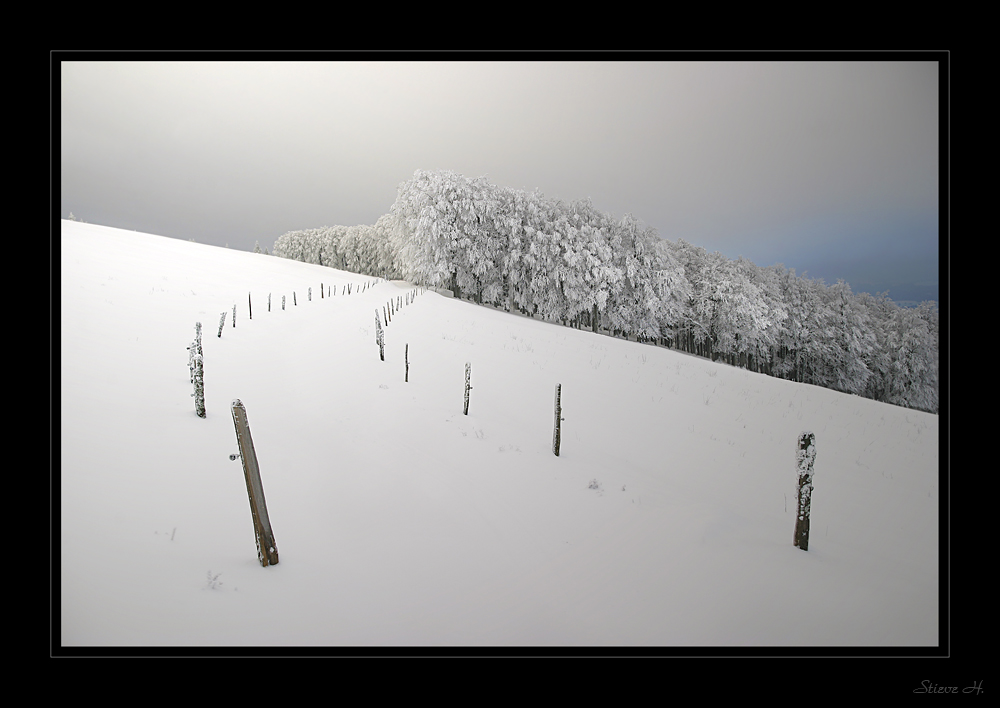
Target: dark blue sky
(830, 167)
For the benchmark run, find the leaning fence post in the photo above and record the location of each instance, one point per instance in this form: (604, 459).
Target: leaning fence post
(222, 321)
(267, 549)
(557, 429)
(468, 375)
(806, 456)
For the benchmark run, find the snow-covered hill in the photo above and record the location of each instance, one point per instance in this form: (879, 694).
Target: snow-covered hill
(666, 520)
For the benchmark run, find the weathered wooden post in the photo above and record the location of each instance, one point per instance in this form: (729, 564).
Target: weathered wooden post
(379, 337)
(556, 434)
(321, 295)
(806, 457)
(222, 321)
(234, 314)
(249, 306)
(198, 372)
(282, 302)
(295, 300)
(468, 375)
(269, 302)
(267, 549)
(406, 358)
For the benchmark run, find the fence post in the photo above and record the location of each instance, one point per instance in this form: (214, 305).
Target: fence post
(267, 549)
(379, 337)
(557, 430)
(222, 322)
(806, 456)
(468, 375)
(198, 375)
(406, 358)
(249, 306)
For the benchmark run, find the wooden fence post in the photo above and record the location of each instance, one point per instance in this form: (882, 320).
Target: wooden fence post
(406, 358)
(468, 375)
(379, 337)
(806, 457)
(222, 322)
(249, 306)
(198, 374)
(267, 549)
(557, 430)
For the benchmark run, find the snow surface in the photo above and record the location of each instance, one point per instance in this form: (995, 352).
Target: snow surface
(401, 522)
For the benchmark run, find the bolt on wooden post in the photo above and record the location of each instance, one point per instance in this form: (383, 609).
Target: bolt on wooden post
(468, 377)
(267, 549)
(556, 432)
(806, 457)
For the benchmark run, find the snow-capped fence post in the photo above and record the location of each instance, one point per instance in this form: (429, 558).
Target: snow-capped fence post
(806, 457)
(310, 294)
(282, 302)
(406, 358)
(468, 376)
(269, 302)
(267, 549)
(556, 433)
(222, 322)
(234, 314)
(198, 372)
(295, 300)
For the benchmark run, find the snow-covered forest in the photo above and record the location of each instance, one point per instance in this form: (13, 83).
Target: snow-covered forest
(571, 263)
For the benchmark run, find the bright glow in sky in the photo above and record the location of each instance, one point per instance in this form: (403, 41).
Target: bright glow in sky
(830, 167)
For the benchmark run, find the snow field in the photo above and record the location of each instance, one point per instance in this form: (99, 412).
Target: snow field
(401, 522)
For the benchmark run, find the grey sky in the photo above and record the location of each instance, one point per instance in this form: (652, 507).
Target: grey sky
(827, 167)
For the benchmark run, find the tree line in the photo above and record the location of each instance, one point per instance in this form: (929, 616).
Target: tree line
(569, 262)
